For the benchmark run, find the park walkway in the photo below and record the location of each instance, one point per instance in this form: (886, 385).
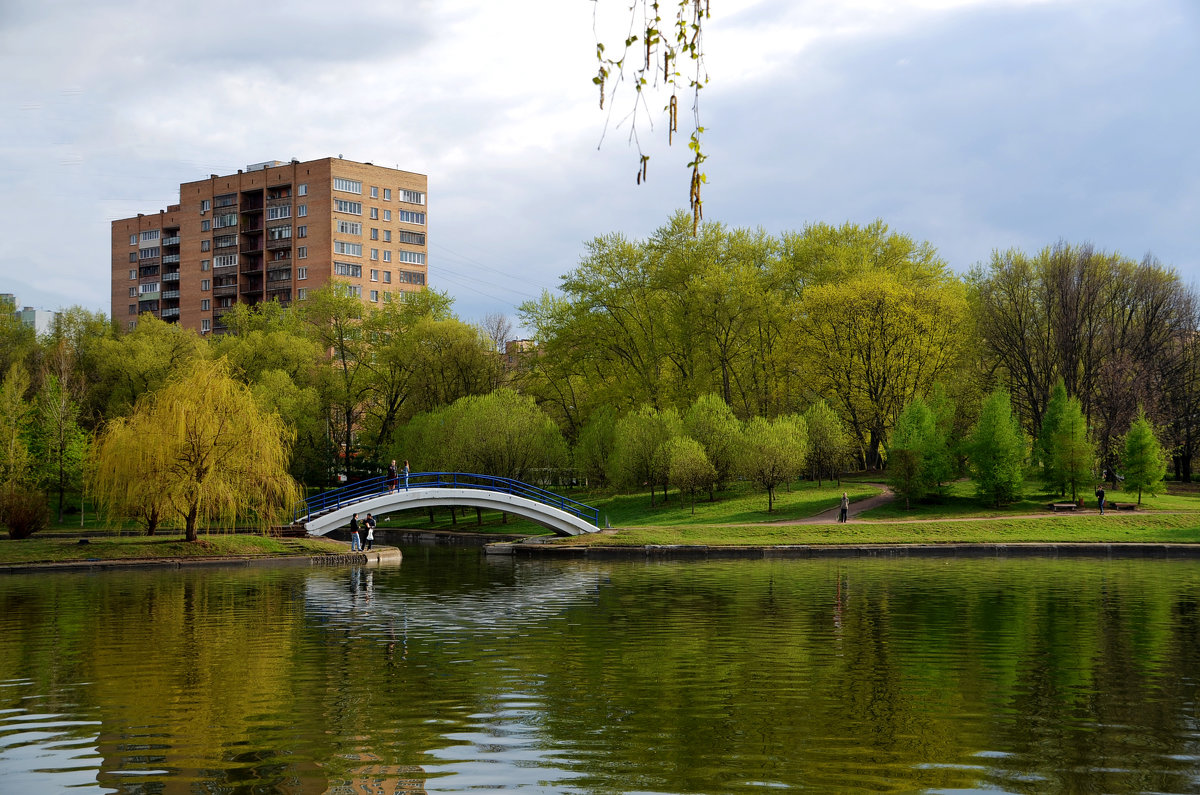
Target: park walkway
(831, 516)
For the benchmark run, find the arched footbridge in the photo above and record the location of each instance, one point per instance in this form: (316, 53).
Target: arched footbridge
(330, 510)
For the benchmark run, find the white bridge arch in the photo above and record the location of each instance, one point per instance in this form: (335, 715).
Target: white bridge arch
(333, 509)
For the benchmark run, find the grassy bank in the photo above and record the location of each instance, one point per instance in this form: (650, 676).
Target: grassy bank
(51, 549)
(1143, 528)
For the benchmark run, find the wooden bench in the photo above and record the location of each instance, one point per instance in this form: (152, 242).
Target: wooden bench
(1063, 506)
(1121, 506)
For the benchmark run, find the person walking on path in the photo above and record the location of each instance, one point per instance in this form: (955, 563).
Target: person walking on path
(844, 511)
(393, 480)
(369, 523)
(1100, 498)
(355, 543)
(406, 474)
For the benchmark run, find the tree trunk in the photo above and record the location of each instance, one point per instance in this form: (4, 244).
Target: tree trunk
(189, 528)
(479, 517)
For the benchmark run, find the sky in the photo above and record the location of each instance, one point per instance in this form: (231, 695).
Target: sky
(975, 125)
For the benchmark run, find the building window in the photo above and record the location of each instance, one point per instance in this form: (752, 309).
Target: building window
(412, 257)
(279, 233)
(387, 194)
(387, 297)
(349, 228)
(374, 234)
(387, 215)
(374, 192)
(205, 225)
(150, 234)
(302, 272)
(387, 236)
(374, 275)
(375, 296)
(301, 252)
(387, 277)
(375, 213)
(387, 255)
(347, 185)
(133, 239)
(412, 218)
(353, 249)
(302, 293)
(347, 269)
(302, 211)
(302, 231)
(225, 260)
(133, 292)
(132, 273)
(204, 304)
(205, 205)
(132, 310)
(148, 253)
(408, 277)
(133, 256)
(204, 264)
(204, 285)
(226, 220)
(277, 213)
(205, 325)
(205, 245)
(374, 253)
(412, 196)
(356, 291)
(149, 287)
(416, 238)
(225, 241)
(302, 190)
(351, 208)
(228, 200)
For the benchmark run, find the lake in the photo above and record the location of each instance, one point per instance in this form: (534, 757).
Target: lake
(459, 672)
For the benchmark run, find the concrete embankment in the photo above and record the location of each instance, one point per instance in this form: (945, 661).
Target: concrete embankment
(379, 556)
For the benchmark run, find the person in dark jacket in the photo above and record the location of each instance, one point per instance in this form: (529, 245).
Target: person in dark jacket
(355, 541)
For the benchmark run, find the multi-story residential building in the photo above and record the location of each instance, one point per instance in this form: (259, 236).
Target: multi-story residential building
(273, 231)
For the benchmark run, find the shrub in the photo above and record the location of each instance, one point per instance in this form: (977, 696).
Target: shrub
(23, 511)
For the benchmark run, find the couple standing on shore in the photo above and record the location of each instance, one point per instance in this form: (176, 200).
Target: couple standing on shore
(368, 529)
(393, 475)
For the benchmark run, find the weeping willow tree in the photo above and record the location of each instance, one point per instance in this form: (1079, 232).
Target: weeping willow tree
(200, 449)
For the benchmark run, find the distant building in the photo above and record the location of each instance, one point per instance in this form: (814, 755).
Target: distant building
(273, 231)
(516, 350)
(41, 320)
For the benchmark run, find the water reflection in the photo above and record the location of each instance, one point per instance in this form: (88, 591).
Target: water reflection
(458, 673)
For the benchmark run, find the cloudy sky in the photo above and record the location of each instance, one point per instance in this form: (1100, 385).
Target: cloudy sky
(973, 124)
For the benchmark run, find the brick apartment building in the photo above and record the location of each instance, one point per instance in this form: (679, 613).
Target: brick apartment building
(273, 231)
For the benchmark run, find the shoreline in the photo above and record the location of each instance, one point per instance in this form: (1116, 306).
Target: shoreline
(379, 556)
(666, 552)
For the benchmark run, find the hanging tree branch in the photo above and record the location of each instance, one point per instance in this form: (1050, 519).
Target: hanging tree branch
(645, 38)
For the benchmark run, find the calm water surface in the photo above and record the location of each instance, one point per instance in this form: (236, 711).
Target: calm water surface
(459, 673)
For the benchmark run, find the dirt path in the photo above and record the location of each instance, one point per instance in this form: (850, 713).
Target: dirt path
(830, 516)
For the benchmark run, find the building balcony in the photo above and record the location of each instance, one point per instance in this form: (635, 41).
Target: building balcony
(171, 241)
(225, 289)
(283, 242)
(252, 289)
(169, 259)
(171, 277)
(280, 201)
(149, 297)
(251, 247)
(173, 312)
(170, 294)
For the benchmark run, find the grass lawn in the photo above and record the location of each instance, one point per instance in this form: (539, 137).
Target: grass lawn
(50, 549)
(960, 501)
(1061, 528)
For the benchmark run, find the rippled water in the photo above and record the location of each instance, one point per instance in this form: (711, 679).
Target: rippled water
(455, 672)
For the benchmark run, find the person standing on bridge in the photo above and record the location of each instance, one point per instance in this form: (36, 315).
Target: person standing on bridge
(393, 480)
(406, 474)
(355, 543)
(369, 524)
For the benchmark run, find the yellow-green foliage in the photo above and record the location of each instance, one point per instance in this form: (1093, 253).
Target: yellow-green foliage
(199, 448)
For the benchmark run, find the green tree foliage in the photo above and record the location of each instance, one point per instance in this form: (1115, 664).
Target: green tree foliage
(14, 418)
(688, 467)
(827, 444)
(141, 361)
(59, 445)
(774, 452)
(1144, 461)
(1052, 420)
(18, 342)
(913, 452)
(639, 452)
(595, 445)
(1074, 455)
(998, 451)
(204, 445)
(712, 423)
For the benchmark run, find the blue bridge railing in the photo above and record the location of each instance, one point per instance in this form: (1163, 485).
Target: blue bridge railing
(374, 487)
